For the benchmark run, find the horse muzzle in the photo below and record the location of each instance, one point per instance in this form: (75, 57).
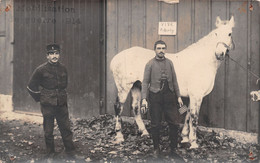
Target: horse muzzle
(220, 57)
(223, 49)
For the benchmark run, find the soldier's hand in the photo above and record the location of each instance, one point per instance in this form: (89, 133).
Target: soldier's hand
(180, 101)
(144, 106)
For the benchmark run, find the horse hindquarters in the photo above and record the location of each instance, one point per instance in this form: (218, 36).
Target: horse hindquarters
(122, 95)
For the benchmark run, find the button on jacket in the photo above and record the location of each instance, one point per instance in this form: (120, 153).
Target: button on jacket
(155, 71)
(48, 84)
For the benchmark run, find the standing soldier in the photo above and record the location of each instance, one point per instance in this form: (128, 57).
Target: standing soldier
(161, 83)
(48, 85)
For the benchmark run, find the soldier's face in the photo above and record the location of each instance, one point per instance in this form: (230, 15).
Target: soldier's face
(53, 57)
(160, 50)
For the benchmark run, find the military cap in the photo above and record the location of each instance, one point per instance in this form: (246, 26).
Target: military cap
(52, 47)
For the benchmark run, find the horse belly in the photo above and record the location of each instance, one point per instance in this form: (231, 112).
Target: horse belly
(183, 78)
(201, 81)
(183, 86)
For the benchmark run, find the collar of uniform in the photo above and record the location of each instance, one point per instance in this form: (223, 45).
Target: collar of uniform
(160, 59)
(53, 64)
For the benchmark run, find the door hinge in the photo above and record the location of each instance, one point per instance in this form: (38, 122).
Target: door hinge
(101, 103)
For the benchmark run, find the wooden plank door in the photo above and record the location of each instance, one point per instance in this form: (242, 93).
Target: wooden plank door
(78, 26)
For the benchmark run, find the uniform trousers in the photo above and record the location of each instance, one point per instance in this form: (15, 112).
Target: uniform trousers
(62, 117)
(163, 102)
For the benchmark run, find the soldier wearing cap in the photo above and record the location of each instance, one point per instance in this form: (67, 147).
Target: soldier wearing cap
(48, 85)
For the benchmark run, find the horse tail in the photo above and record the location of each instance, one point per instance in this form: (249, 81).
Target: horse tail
(137, 85)
(136, 95)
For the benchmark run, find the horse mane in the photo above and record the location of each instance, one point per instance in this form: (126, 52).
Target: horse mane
(205, 41)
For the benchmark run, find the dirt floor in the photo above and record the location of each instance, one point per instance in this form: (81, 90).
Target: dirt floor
(21, 140)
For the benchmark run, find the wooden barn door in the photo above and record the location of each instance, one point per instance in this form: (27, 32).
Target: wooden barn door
(78, 26)
(135, 23)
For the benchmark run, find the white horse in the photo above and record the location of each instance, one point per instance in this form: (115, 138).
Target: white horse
(195, 67)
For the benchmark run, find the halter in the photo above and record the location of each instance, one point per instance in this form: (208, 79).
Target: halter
(226, 46)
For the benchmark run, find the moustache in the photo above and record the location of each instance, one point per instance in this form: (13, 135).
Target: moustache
(161, 53)
(54, 58)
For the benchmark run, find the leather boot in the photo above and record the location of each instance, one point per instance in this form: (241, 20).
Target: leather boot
(156, 142)
(177, 158)
(173, 136)
(156, 153)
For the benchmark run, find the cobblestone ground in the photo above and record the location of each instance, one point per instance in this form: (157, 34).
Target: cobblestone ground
(21, 140)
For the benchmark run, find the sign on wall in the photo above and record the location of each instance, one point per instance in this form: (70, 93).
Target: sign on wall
(170, 1)
(167, 28)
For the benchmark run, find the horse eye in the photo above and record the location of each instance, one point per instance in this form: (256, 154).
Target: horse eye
(229, 34)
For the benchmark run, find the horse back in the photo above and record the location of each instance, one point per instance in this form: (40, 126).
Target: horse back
(130, 63)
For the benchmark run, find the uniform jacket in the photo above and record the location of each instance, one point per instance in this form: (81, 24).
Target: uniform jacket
(155, 71)
(48, 84)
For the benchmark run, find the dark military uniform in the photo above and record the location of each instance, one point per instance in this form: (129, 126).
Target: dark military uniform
(48, 86)
(163, 89)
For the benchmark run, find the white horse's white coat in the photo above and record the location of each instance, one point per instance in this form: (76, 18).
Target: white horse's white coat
(255, 95)
(195, 67)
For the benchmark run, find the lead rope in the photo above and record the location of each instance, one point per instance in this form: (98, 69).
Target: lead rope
(258, 78)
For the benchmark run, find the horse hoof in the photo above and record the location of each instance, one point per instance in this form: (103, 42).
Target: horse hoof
(185, 140)
(194, 145)
(145, 133)
(118, 141)
(119, 138)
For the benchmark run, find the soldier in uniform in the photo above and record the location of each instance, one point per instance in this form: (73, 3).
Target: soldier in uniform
(48, 85)
(161, 83)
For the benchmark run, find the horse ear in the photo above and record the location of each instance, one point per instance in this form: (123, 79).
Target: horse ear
(218, 21)
(232, 22)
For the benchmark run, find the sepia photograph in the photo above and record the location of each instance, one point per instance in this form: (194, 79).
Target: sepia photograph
(169, 81)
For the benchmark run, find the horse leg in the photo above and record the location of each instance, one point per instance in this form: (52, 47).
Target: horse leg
(123, 90)
(195, 103)
(136, 95)
(118, 126)
(185, 129)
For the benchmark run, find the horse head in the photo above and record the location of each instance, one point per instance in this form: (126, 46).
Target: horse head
(223, 35)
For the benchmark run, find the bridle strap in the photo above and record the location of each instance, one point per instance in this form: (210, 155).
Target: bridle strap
(225, 45)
